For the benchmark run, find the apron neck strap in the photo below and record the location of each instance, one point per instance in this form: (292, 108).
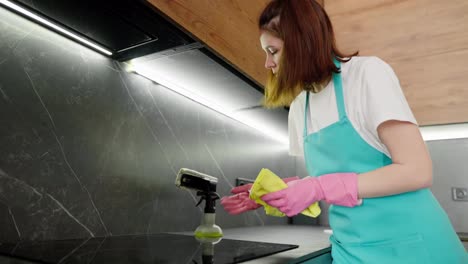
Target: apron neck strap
(338, 85)
(306, 115)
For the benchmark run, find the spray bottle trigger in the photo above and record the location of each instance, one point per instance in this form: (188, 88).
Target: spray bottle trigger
(199, 202)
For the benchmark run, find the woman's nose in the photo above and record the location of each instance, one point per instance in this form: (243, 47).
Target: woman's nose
(269, 63)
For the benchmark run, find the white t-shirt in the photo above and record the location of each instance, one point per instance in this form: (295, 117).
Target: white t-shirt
(372, 95)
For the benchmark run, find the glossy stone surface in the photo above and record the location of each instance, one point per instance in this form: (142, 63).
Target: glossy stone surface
(90, 150)
(159, 248)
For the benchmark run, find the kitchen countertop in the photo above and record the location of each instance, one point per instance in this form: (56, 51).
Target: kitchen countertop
(464, 238)
(309, 238)
(255, 243)
(10, 260)
(312, 241)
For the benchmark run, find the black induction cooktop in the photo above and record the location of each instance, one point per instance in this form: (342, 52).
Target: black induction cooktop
(141, 249)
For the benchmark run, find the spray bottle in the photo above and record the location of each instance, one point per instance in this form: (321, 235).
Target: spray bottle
(205, 186)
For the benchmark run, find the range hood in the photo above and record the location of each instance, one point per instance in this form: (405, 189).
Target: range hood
(127, 28)
(135, 31)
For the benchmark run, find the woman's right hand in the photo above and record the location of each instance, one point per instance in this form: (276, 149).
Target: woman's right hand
(240, 201)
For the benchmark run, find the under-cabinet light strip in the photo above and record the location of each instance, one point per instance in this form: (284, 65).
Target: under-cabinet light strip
(256, 124)
(440, 132)
(54, 26)
(429, 133)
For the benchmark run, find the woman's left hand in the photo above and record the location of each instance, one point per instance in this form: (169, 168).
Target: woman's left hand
(336, 188)
(296, 197)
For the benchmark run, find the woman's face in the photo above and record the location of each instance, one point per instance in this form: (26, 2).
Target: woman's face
(273, 46)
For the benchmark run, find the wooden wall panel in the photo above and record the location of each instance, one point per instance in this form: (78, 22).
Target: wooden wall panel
(436, 87)
(425, 41)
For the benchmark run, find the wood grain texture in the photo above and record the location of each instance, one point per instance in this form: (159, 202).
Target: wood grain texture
(426, 43)
(229, 27)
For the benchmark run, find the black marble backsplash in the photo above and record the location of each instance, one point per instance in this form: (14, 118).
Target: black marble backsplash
(87, 149)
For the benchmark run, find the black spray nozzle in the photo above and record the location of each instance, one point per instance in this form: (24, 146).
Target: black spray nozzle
(194, 180)
(205, 185)
(210, 201)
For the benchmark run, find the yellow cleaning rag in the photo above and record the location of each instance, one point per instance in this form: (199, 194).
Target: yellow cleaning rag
(267, 182)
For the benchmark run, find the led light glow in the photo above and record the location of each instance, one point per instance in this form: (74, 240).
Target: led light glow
(239, 116)
(429, 133)
(52, 25)
(440, 132)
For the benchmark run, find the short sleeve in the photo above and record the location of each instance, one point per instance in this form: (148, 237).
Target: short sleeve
(294, 130)
(383, 97)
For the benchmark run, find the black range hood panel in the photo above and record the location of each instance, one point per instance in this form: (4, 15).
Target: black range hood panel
(128, 28)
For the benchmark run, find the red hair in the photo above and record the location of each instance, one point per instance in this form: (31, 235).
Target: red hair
(309, 49)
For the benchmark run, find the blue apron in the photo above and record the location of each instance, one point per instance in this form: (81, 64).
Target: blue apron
(405, 228)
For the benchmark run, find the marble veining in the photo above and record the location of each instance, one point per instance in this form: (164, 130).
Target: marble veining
(167, 123)
(36, 192)
(66, 257)
(4, 95)
(69, 214)
(43, 105)
(137, 107)
(217, 166)
(14, 222)
(90, 150)
(54, 129)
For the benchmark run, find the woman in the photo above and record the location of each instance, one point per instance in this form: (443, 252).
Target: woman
(361, 143)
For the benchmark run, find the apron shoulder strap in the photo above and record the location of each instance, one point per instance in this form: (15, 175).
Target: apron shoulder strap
(338, 84)
(306, 112)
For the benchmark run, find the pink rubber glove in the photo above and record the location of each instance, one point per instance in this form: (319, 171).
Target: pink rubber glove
(337, 188)
(240, 202)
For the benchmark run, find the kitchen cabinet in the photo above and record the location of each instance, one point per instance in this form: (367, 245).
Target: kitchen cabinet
(427, 44)
(227, 27)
